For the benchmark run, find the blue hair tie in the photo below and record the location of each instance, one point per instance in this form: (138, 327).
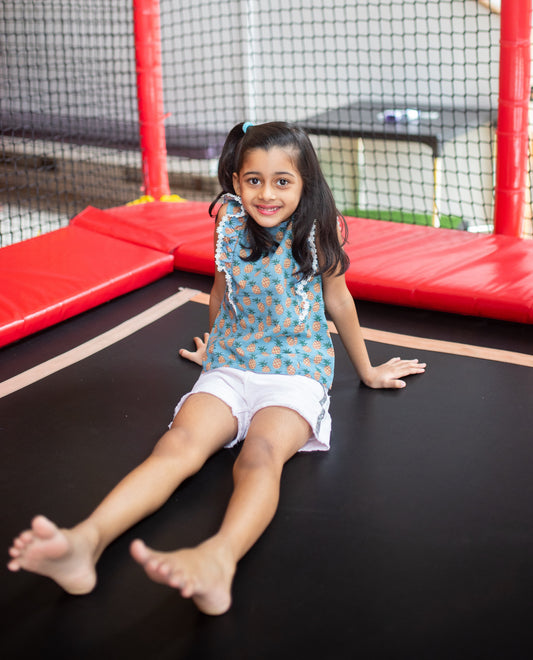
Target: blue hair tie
(246, 126)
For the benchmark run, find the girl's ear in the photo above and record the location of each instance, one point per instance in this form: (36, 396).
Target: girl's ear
(236, 186)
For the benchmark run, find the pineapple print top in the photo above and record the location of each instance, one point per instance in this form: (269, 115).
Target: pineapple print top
(272, 319)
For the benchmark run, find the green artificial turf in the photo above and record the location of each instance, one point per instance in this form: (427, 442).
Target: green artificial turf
(407, 217)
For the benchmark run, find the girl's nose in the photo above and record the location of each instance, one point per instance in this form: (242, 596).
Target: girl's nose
(267, 192)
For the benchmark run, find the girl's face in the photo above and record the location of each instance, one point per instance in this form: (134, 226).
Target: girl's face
(269, 185)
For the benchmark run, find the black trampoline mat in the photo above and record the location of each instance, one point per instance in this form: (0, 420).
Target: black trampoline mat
(411, 538)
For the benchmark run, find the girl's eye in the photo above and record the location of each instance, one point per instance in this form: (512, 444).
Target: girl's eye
(283, 183)
(253, 180)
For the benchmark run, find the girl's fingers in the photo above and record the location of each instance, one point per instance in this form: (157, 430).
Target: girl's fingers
(196, 356)
(408, 366)
(200, 343)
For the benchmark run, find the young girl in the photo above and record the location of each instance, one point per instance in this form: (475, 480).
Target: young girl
(267, 368)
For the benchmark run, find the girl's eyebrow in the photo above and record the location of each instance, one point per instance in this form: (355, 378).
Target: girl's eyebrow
(275, 174)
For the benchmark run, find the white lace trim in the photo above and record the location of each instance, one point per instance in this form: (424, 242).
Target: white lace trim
(222, 267)
(221, 235)
(300, 287)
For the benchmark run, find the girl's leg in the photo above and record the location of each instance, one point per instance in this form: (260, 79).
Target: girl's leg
(202, 426)
(205, 573)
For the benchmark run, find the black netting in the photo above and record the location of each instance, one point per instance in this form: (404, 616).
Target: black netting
(67, 111)
(399, 95)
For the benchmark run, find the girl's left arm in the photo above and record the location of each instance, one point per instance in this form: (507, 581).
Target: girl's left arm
(341, 308)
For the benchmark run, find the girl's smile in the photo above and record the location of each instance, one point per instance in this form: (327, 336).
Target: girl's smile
(269, 185)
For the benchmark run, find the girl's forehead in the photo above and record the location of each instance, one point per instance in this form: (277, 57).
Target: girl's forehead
(275, 158)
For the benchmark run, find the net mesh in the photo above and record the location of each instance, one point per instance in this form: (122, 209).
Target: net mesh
(67, 111)
(400, 98)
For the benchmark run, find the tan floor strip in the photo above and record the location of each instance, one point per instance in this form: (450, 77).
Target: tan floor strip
(185, 295)
(435, 345)
(97, 344)
(450, 347)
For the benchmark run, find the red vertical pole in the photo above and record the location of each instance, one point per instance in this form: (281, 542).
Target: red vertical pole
(147, 31)
(513, 117)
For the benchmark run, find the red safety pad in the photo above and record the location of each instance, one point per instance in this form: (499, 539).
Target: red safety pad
(162, 226)
(438, 269)
(196, 256)
(52, 277)
(441, 269)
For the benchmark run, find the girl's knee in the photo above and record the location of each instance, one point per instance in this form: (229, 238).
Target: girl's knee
(176, 444)
(257, 453)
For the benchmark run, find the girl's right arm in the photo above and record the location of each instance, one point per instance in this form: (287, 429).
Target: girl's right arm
(219, 284)
(217, 295)
(215, 300)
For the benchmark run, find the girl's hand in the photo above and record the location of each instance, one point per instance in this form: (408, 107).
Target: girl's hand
(389, 375)
(199, 354)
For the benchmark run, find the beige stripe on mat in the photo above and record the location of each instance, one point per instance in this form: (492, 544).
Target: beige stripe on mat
(185, 295)
(435, 345)
(97, 344)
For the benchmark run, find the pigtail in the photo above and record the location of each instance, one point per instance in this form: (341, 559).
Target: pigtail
(227, 163)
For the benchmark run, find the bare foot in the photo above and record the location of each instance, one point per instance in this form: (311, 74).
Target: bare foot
(204, 573)
(62, 555)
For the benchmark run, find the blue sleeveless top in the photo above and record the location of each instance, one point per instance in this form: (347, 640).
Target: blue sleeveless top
(272, 319)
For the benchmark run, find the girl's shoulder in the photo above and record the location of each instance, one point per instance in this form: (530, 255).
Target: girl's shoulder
(230, 222)
(221, 213)
(231, 213)
(231, 205)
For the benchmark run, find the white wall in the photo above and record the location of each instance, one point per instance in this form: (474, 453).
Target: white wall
(73, 58)
(290, 59)
(259, 59)
(232, 60)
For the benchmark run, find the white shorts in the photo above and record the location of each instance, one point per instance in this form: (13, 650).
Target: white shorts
(246, 392)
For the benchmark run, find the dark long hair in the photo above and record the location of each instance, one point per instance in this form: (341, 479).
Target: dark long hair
(316, 202)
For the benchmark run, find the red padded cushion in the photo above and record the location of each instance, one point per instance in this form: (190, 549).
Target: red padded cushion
(441, 269)
(52, 277)
(196, 256)
(159, 225)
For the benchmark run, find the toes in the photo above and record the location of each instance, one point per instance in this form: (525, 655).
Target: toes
(43, 528)
(13, 566)
(161, 571)
(175, 580)
(188, 589)
(24, 539)
(153, 565)
(20, 544)
(139, 551)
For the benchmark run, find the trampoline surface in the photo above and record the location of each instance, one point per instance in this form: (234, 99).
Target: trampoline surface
(412, 538)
